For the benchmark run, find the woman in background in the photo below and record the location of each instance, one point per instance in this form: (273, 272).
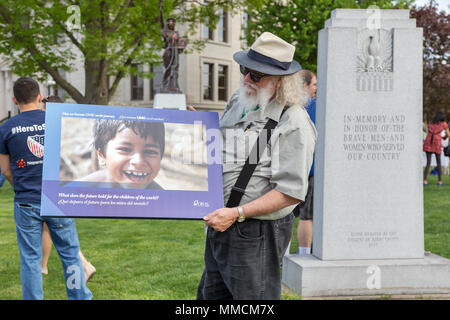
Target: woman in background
(432, 144)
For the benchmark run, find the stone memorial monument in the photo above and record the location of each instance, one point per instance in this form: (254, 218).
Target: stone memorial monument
(368, 197)
(170, 95)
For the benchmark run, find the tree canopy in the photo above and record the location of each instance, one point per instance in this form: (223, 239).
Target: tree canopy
(42, 38)
(436, 54)
(299, 22)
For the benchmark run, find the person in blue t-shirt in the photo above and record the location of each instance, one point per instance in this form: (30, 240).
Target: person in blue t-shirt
(21, 159)
(305, 209)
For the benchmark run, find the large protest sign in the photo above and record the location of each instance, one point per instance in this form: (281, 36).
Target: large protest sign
(104, 161)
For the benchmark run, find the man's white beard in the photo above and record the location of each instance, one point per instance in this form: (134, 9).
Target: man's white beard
(250, 99)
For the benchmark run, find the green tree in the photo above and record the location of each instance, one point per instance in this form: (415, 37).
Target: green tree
(436, 54)
(299, 21)
(44, 37)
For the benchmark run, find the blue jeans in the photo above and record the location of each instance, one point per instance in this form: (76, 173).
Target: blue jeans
(65, 239)
(2, 180)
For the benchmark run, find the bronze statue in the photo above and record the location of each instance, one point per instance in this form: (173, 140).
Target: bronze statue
(173, 46)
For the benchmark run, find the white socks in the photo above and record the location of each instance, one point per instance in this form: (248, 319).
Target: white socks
(302, 250)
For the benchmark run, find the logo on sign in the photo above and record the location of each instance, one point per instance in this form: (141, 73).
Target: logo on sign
(36, 145)
(201, 204)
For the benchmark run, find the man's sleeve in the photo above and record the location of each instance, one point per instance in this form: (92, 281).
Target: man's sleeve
(292, 157)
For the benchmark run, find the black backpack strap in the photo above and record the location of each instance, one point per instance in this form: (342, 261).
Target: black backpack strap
(238, 190)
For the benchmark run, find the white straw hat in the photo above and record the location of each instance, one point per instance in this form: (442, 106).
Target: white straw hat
(269, 54)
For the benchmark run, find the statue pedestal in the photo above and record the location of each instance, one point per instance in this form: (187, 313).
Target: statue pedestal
(170, 101)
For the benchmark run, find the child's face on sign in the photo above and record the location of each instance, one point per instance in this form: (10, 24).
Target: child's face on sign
(131, 159)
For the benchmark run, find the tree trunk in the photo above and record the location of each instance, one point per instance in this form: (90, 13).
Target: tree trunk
(96, 82)
(96, 66)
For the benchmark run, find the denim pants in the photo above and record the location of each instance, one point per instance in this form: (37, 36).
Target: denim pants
(65, 239)
(244, 261)
(2, 179)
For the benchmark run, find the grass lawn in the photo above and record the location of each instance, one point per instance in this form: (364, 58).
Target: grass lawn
(160, 259)
(437, 216)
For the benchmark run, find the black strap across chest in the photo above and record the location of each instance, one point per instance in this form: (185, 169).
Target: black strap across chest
(238, 190)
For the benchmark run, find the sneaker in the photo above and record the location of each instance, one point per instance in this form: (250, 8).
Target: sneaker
(89, 271)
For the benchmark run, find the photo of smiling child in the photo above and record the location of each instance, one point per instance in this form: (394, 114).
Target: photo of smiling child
(106, 153)
(129, 154)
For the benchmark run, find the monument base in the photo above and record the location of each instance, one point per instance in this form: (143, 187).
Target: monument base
(312, 277)
(169, 101)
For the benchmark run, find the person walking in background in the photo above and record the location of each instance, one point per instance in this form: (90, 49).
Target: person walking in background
(21, 153)
(54, 99)
(432, 144)
(444, 158)
(305, 209)
(89, 269)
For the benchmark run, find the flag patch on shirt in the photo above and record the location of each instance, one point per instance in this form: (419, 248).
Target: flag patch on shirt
(36, 145)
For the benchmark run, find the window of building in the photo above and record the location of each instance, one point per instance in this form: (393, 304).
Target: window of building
(207, 80)
(207, 32)
(137, 84)
(155, 82)
(222, 82)
(222, 30)
(244, 26)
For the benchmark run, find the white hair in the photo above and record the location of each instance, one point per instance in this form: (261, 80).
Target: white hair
(291, 91)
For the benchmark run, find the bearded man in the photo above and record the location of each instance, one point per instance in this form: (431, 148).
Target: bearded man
(246, 240)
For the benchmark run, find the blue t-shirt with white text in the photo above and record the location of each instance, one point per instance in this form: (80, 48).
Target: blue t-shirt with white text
(22, 138)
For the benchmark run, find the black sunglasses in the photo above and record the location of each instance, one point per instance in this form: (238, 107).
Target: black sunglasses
(254, 75)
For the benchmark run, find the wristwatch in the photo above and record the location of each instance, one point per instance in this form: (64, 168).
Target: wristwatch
(241, 214)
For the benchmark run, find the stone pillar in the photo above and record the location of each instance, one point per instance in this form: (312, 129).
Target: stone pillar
(368, 197)
(368, 194)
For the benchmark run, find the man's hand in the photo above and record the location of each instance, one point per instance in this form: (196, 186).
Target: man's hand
(272, 201)
(191, 108)
(221, 219)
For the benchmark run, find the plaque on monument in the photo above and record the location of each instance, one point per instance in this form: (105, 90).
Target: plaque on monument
(368, 195)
